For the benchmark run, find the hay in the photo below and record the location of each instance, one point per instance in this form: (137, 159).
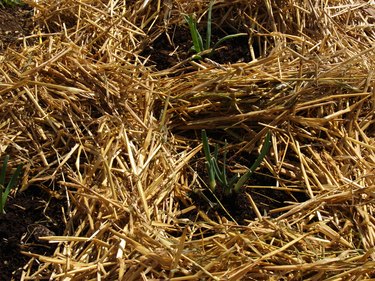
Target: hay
(97, 123)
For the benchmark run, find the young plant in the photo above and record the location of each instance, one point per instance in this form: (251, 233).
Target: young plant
(4, 191)
(219, 175)
(10, 3)
(198, 45)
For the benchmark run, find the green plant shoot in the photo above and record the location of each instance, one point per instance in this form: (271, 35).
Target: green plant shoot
(11, 2)
(198, 45)
(215, 174)
(4, 191)
(195, 35)
(263, 152)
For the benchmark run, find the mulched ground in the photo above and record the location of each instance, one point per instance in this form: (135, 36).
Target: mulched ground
(25, 212)
(32, 213)
(106, 101)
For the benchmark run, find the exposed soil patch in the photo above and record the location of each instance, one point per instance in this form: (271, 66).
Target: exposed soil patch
(238, 205)
(30, 215)
(170, 49)
(15, 22)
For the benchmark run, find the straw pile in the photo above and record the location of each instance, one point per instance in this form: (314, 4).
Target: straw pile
(96, 121)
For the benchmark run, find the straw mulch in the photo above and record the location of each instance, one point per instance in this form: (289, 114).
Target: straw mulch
(96, 122)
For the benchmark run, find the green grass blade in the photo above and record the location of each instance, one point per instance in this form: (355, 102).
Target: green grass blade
(218, 172)
(195, 35)
(216, 152)
(13, 180)
(263, 152)
(215, 164)
(211, 177)
(4, 191)
(206, 147)
(200, 42)
(11, 3)
(210, 162)
(225, 165)
(209, 22)
(12, 184)
(2, 183)
(225, 38)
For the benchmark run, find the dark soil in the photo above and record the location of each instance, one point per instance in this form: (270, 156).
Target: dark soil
(169, 50)
(238, 204)
(15, 23)
(29, 215)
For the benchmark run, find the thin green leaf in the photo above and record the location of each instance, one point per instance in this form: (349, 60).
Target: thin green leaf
(263, 152)
(209, 22)
(195, 35)
(13, 180)
(11, 3)
(211, 177)
(206, 147)
(12, 184)
(4, 192)
(225, 165)
(210, 162)
(225, 38)
(219, 174)
(216, 167)
(2, 182)
(200, 41)
(216, 152)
